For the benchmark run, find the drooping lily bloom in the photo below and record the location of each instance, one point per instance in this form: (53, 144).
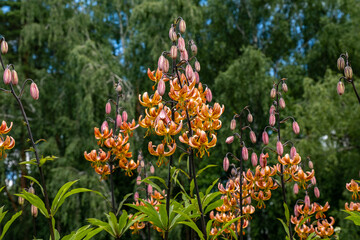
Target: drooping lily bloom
(353, 187)
(97, 159)
(150, 102)
(157, 195)
(160, 152)
(303, 177)
(305, 209)
(156, 78)
(167, 132)
(137, 226)
(324, 228)
(119, 147)
(128, 128)
(128, 166)
(201, 142)
(4, 129)
(320, 210)
(102, 136)
(304, 231)
(8, 144)
(103, 171)
(146, 123)
(353, 206)
(286, 160)
(260, 197)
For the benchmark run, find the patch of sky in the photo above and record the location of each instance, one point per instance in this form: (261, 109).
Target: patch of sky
(5, 9)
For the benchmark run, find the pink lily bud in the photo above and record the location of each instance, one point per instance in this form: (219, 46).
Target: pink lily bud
(254, 159)
(173, 52)
(136, 196)
(138, 180)
(340, 63)
(273, 93)
(171, 34)
(197, 66)
(197, 77)
(296, 213)
(104, 126)
(279, 148)
(340, 88)
(296, 188)
(311, 165)
(282, 103)
(194, 49)
(272, 120)
(226, 164)
(149, 189)
(118, 88)
(292, 152)
(7, 76)
(182, 26)
(34, 91)
(233, 124)
(307, 200)
(181, 44)
(166, 66)
(184, 55)
(245, 153)
(272, 110)
(161, 87)
(317, 192)
(252, 137)
(229, 139)
(108, 108)
(250, 118)
(124, 116)
(296, 127)
(15, 79)
(265, 138)
(31, 190)
(21, 201)
(284, 87)
(233, 172)
(189, 72)
(262, 160)
(4, 47)
(118, 120)
(161, 63)
(152, 169)
(142, 163)
(313, 181)
(208, 95)
(348, 72)
(34, 211)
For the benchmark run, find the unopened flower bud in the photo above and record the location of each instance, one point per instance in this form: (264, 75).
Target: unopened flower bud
(34, 211)
(262, 160)
(118, 88)
(108, 108)
(233, 172)
(296, 127)
(208, 95)
(317, 192)
(252, 137)
(189, 72)
(149, 189)
(250, 118)
(142, 163)
(282, 103)
(226, 164)
(194, 49)
(124, 116)
(184, 56)
(340, 63)
(166, 66)
(14, 76)
(229, 139)
(284, 87)
(4, 47)
(233, 124)
(31, 190)
(307, 200)
(138, 180)
(313, 181)
(161, 87)
(245, 153)
(272, 109)
(173, 52)
(310, 164)
(296, 213)
(296, 188)
(21, 200)
(118, 120)
(279, 148)
(34, 91)
(340, 88)
(272, 120)
(7, 76)
(254, 159)
(181, 44)
(161, 63)
(265, 138)
(152, 169)
(197, 78)
(104, 126)
(172, 34)
(182, 26)
(348, 72)
(136, 196)
(197, 66)
(292, 152)
(273, 93)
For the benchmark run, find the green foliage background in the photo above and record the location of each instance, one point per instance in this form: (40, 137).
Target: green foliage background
(74, 50)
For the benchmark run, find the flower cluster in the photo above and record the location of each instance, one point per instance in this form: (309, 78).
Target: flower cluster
(353, 187)
(6, 142)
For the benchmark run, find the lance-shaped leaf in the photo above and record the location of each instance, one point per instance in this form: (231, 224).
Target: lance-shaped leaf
(34, 200)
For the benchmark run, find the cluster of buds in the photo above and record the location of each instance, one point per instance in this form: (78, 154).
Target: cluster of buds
(304, 211)
(6, 142)
(187, 106)
(343, 65)
(353, 187)
(144, 170)
(115, 142)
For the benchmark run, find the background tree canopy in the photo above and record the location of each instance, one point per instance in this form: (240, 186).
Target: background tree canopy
(75, 50)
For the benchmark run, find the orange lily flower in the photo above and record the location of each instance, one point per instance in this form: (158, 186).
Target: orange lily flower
(303, 177)
(304, 231)
(119, 147)
(128, 128)
(156, 78)
(354, 188)
(103, 171)
(160, 152)
(146, 123)
(97, 159)
(9, 143)
(157, 195)
(305, 210)
(162, 130)
(137, 226)
(353, 206)
(4, 129)
(324, 228)
(286, 160)
(260, 197)
(150, 102)
(201, 142)
(321, 209)
(102, 136)
(128, 166)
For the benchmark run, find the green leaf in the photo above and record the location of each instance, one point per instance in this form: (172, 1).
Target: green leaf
(285, 227)
(43, 160)
(208, 190)
(287, 214)
(208, 226)
(354, 217)
(213, 205)
(157, 178)
(2, 188)
(192, 185)
(122, 221)
(182, 155)
(113, 223)
(103, 225)
(203, 169)
(62, 191)
(193, 226)
(226, 226)
(32, 162)
(122, 203)
(2, 214)
(34, 200)
(154, 185)
(93, 233)
(37, 182)
(8, 224)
